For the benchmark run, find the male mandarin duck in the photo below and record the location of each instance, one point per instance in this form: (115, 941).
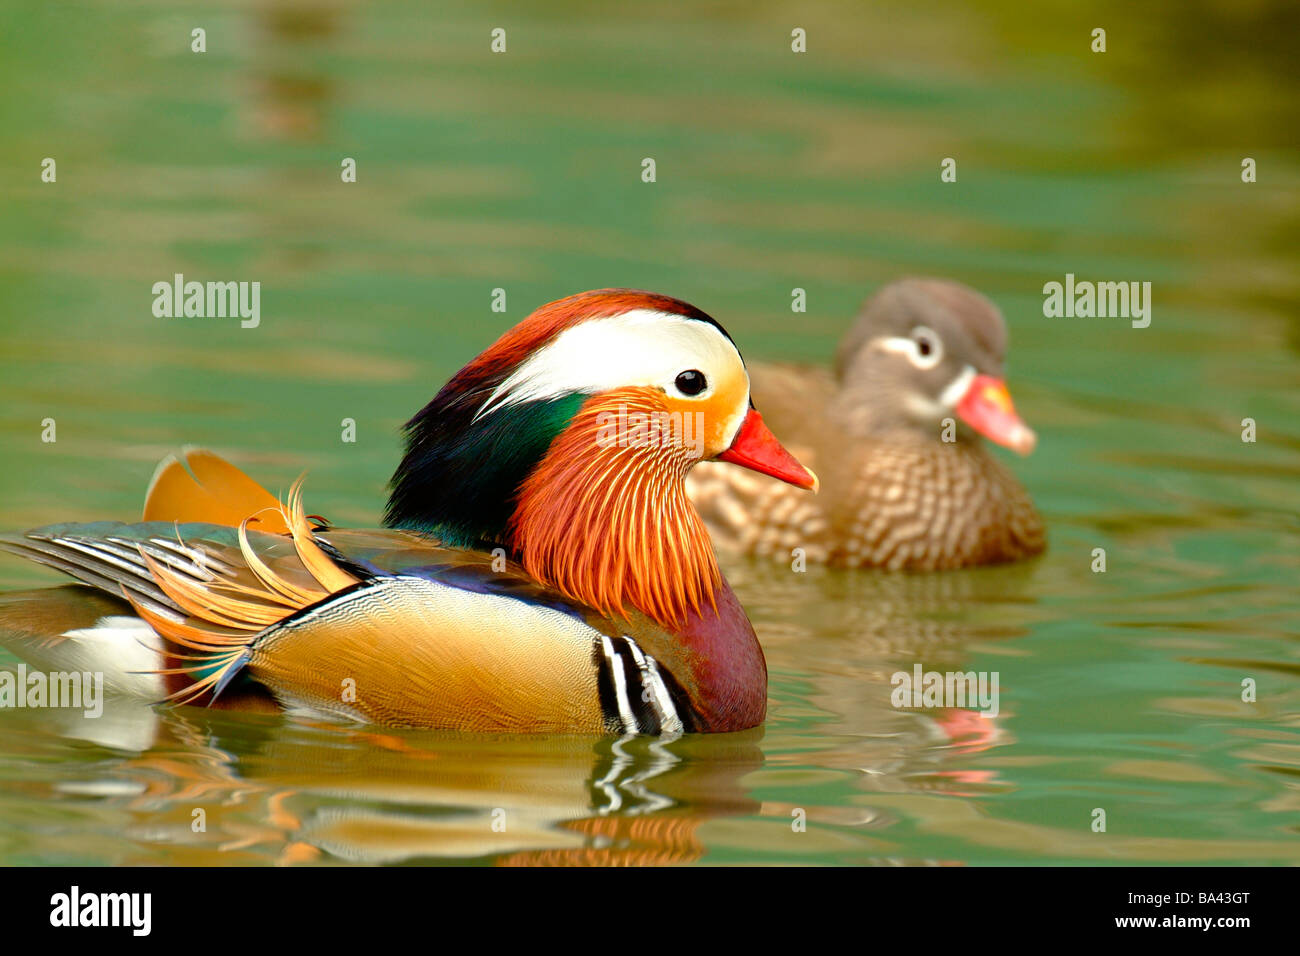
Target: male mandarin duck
(895, 435)
(541, 568)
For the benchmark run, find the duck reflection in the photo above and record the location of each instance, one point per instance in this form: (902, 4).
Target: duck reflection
(847, 633)
(218, 788)
(292, 94)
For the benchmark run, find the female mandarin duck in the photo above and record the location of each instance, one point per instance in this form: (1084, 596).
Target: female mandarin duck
(922, 363)
(541, 568)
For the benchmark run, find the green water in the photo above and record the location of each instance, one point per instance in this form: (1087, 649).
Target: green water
(1120, 690)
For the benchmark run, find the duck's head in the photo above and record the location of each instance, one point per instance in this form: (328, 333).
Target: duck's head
(567, 442)
(924, 350)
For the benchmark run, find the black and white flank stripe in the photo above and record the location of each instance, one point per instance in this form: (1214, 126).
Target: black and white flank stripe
(636, 695)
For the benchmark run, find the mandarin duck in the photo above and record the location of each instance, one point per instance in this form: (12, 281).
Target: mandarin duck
(896, 434)
(540, 568)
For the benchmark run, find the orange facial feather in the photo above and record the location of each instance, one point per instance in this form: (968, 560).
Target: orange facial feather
(609, 524)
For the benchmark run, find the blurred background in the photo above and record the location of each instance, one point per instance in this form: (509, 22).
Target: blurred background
(775, 170)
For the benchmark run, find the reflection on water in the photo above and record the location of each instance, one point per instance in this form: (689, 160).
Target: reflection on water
(1120, 690)
(208, 785)
(292, 95)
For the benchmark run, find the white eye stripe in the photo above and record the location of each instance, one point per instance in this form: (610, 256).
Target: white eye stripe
(640, 347)
(910, 347)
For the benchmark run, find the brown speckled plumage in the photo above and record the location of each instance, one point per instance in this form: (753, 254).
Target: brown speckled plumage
(893, 494)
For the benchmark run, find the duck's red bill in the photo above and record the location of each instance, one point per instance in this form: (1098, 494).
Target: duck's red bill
(986, 407)
(756, 447)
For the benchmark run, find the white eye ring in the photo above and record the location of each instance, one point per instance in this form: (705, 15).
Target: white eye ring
(922, 348)
(927, 348)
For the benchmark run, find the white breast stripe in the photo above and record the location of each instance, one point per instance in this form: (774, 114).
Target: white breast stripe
(620, 685)
(669, 722)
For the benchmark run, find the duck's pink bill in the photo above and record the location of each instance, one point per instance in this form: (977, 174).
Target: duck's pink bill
(986, 407)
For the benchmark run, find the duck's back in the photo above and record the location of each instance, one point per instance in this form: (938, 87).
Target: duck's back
(383, 626)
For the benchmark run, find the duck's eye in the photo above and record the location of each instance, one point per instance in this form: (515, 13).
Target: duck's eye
(691, 382)
(929, 350)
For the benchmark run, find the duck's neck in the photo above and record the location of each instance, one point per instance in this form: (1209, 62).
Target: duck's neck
(611, 525)
(459, 475)
(877, 411)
